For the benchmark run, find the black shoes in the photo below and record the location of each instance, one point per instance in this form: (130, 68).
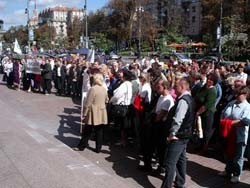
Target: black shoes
(145, 168)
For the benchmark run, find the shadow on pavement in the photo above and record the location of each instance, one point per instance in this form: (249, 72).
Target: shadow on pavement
(69, 125)
(125, 163)
(124, 160)
(208, 177)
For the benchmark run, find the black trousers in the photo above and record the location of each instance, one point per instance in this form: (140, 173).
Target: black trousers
(60, 85)
(156, 143)
(207, 126)
(47, 86)
(86, 134)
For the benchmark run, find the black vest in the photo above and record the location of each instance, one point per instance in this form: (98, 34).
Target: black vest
(186, 129)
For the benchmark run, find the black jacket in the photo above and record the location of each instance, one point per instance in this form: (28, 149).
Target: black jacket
(47, 71)
(63, 71)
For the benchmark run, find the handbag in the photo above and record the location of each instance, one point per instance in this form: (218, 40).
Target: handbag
(119, 111)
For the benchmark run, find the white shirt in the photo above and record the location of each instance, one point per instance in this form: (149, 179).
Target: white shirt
(164, 103)
(59, 71)
(8, 68)
(52, 63)
(146, 92)
(68, 68)
(242, 76)
(123, 94)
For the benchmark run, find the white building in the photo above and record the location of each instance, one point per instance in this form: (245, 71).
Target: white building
(60, 17)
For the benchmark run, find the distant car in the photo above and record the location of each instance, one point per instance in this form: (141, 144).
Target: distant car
(208, 59)
(183, 58)
(114, 56)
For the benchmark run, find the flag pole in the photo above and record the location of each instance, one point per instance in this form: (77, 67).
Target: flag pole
(81, 125)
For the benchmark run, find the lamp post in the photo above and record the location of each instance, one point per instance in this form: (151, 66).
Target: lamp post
(219, 32)
(28, 23)
(139, 10)
(86, 25)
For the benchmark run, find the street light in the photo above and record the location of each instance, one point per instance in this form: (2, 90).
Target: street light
(219, 32)
(86, 25)
(28, 23)
(140, 10)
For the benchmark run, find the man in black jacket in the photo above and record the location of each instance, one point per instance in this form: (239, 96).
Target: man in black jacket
(60, 72)
(47, 77)
(180, 120)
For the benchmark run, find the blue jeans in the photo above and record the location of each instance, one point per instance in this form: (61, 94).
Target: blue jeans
(175, 163)
(234, 166)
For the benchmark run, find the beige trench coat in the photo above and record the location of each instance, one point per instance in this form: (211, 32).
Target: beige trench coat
(94, 108)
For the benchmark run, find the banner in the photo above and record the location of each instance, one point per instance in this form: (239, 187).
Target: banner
(91, 56)
(31, 34)
(33, 66)
(1, 47)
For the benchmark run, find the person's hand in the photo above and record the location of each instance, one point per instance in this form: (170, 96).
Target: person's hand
(172, 138)
(83, 118)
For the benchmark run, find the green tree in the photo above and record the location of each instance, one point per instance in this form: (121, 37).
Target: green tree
(19, 32)
(119, 20)
(74, 31)
(211, 17)
(236, 41)
(101, 42)
(44, 36)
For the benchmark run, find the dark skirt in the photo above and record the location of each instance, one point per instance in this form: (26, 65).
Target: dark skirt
(16, 73)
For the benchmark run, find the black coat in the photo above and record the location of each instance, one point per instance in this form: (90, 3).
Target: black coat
(63, 71)
(47, 71)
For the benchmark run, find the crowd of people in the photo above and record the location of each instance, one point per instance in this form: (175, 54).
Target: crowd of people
(160, 101)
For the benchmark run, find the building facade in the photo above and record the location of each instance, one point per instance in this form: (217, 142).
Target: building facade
(1, 29)
(188, 13)
(60, 17)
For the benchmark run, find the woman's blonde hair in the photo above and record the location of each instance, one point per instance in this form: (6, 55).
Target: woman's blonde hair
(144, 77)
(98, 79)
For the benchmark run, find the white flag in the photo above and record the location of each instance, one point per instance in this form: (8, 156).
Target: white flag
(91, 56)
(17, 48)
(1, 47)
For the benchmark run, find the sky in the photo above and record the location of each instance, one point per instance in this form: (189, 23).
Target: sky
(12, 12)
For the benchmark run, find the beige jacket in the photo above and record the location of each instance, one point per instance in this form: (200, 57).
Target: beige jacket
(94, 109)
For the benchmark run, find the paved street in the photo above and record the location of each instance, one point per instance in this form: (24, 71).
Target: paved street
(36, 136)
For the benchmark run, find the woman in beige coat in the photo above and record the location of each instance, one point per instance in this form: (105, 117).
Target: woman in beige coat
(94, 113)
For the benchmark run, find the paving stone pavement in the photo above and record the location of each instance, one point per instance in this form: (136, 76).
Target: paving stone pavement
(37, 133)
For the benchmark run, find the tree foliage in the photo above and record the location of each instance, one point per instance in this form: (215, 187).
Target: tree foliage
(44, 36)
(75, 31)
(235, 20)
(19, 32)
(101, 42)
(235, 44)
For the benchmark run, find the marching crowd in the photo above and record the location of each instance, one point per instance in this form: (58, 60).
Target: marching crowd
(160, 101)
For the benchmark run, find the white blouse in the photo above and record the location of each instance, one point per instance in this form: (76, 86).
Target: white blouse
(123, 94)
(146, 92)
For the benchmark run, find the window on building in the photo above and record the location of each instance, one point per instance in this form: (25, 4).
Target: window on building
(193, 19)
(193, 9)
